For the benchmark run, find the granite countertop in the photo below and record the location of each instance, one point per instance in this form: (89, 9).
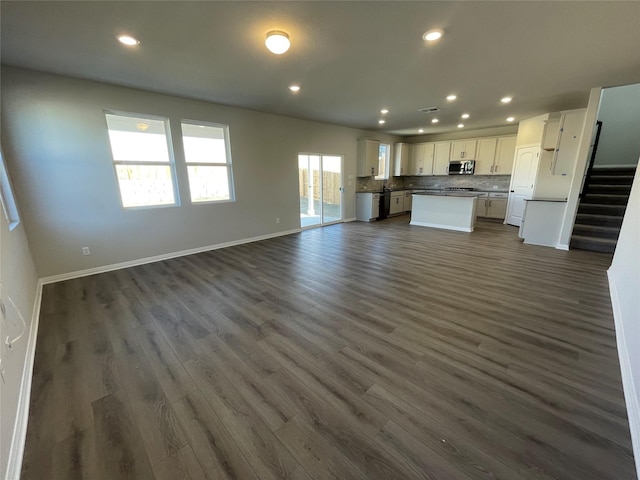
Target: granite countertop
(561, 200)
(442, 193)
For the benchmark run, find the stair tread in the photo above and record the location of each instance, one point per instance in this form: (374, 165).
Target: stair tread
(610, 241)
(596, 227)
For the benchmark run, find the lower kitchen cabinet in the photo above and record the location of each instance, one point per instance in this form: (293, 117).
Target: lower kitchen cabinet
(397, 203)
(408, 200)
(492, 205)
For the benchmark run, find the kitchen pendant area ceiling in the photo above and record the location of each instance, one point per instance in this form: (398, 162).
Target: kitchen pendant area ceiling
(351, 57)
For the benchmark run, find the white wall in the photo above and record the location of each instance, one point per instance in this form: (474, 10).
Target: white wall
(530, 131)
(620, 136)
(461, 134)
(55, 140)
(19, 282)
(624, 281)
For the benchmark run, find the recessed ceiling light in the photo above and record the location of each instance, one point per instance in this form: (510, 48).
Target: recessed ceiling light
(465, 115)
(434, 120)
(506, 99)
(460, 125)
(421, 130)
(294, 88)
(432, 35)
(384, 111)
(510, 119)
(381, 122)
(128, 40)
(277, 42)
(451, 98)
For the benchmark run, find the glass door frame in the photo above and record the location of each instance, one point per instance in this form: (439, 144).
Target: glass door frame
(321, 157)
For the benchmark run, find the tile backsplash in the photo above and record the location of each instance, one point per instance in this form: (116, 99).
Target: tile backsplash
(478, 182)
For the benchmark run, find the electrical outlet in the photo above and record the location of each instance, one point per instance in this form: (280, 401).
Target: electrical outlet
(86, 251)
(278, 220)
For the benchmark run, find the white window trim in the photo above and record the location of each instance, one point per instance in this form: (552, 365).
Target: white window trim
(228, 164)
(172, 160)
(387, 165)
(7, 198)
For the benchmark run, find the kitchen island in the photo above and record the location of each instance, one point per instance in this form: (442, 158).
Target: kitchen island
(450, 210)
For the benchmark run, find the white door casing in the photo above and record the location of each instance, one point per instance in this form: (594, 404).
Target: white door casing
(523, 181)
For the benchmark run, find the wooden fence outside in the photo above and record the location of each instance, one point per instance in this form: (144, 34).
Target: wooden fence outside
(331, 186)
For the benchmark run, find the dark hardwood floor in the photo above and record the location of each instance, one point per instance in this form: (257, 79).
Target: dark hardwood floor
(355, 351)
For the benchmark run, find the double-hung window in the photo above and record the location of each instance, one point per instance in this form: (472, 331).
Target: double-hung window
(206, 152)
(143, 159)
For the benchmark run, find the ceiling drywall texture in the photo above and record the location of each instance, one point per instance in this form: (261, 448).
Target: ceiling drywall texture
(351, 58)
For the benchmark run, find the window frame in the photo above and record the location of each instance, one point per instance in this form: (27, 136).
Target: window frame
(228, 164)
(171, 164)
(7, 197)
(387, 167)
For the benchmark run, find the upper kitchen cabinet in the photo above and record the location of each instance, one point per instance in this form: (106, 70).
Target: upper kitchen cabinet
(562, 136)
(422, 158)
(441, 154)
(401, 165)
(368, 157)
(463, 150)
(495, 155)
(505, 154)
(486, 156)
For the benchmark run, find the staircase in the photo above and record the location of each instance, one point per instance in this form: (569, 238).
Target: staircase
(604, 200)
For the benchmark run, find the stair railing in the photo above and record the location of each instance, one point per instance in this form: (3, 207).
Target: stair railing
(587, 177)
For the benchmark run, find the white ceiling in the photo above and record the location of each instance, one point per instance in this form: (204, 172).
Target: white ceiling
(351, 58)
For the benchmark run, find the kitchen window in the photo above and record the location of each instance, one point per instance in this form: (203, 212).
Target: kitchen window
(384, 154)
(208, 158)
(143, 160)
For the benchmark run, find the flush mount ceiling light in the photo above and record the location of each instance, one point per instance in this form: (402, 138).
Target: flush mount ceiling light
(451, 98)
(506, 99)
(381, 122)
(465, 115)
(460, 125)
(294, 88)
(432, 35)
(434, 120)
(277, 42)
(510, 119)
(128, 40)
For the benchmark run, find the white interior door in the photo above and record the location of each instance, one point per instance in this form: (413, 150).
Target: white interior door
(522, 182)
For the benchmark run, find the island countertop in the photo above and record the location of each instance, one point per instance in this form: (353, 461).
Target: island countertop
(442, 193)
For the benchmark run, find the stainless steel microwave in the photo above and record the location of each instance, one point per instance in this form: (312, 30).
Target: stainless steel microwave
(462, 167)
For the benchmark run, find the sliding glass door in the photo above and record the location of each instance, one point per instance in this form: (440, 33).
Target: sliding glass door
(320, 188)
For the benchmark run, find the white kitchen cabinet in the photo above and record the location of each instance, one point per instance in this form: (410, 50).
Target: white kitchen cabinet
(408, 200)
(492, 205)
(441, 158)
(497, 207)
(422, 158)
(368, 157)
(397, 203)
(402, 160)
(486, 156)
(463, 150)
(417, 154)
(367, 206)
(570, 134)
(505, 154)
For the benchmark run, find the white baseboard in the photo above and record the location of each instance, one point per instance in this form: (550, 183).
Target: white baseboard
(349, 219)
(157, 258)
(630, 391)
(562, 246)
(19, 437)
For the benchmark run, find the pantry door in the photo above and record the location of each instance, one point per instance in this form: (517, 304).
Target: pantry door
(522, 183)
(320, 189)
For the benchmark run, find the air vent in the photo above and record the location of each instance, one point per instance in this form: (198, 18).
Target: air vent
(429, 109)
